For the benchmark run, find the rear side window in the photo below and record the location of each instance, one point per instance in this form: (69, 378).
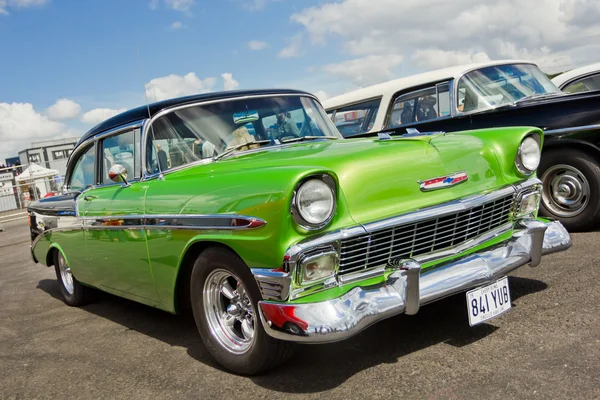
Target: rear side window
(357, 118)
(421, 105)
(584, 85)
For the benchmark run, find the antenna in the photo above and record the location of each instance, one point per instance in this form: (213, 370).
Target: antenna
(160, 174)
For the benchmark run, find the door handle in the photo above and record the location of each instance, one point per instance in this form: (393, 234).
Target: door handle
(90, 198)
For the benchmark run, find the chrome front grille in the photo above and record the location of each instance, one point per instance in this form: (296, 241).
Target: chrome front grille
(409, 240)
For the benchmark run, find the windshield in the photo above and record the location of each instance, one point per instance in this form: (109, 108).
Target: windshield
(491, 87)
(206, 131)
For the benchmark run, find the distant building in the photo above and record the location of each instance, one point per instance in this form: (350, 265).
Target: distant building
(51, 154)
(11, 161)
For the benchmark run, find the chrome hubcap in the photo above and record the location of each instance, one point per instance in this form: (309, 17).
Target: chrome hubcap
(65, 274)
(229, 311)
(566, 190)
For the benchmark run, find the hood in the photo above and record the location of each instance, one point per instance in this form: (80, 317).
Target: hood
(380, 179)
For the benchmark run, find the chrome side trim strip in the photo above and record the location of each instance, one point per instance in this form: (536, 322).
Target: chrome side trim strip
(582, 128)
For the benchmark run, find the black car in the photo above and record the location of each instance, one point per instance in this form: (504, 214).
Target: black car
(497, 94)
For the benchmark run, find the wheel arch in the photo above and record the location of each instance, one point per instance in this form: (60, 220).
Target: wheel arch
(54, 247)
(181, 293)
(586, 147)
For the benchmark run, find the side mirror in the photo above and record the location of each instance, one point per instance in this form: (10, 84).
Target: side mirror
(118, 174)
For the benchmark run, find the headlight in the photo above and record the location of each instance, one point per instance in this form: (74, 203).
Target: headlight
(528, 156)
(314, 203)
(318, 266)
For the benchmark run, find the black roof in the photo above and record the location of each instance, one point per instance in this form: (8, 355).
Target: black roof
(139, 113)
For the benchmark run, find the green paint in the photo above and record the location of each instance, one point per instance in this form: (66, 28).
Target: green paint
(375, 179)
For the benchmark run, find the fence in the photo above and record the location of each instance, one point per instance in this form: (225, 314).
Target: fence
(18, 188)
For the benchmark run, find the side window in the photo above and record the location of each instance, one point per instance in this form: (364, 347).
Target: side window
(584, 85)
(82, 175)
(422, 105)
(357, 118)
(122, 149)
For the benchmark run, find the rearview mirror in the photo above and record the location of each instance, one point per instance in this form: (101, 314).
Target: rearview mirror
(118, 174)
(245, 116)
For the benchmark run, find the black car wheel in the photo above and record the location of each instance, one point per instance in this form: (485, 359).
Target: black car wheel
(224, 298)
(571, 191)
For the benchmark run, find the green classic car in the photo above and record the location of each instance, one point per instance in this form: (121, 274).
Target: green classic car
(252, 210)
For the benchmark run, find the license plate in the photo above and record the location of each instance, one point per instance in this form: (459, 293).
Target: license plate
(488, 302)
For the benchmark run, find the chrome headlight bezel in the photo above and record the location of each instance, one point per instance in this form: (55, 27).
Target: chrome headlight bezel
(519, 164)
(296, 208)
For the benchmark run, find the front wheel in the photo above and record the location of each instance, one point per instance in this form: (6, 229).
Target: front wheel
(225, 299)
(571, 188)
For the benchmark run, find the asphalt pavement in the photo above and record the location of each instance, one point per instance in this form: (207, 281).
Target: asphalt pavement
(546, 347)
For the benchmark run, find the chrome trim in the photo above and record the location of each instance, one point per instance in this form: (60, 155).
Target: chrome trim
(294, 208)
(424, 189)
(405, 290)
(274, 284)
(518, 160)
(582, 128)
(307, 257)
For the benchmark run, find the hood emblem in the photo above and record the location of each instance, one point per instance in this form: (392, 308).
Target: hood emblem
(443, 182)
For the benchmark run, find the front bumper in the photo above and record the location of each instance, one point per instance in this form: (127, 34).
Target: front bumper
(407, 288)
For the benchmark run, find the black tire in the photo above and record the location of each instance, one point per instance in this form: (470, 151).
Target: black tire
(79, 295)
(589, 216)
(265, 352)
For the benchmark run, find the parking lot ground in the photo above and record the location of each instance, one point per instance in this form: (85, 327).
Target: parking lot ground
(546, 347)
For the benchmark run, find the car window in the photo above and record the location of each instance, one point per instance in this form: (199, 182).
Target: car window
(357, 118)
(83, 173)
(201, 132)
(122, 149)
(494, 86)
(584, 85)
(421, 105)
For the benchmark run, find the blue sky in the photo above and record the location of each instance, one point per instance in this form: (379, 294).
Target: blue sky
(66, 65)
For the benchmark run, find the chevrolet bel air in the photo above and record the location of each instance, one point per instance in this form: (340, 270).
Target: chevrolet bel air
(488, 95)
(252, 210)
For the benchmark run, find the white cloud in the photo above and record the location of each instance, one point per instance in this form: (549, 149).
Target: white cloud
(63, 109)
(183, 6)
(20, 125)
(321, 95)
(293, 47)
(176, 25)
(170, 86)
(98, 115)
(434, 33)
(435, 58)
(228, 82)
(366, 70)
(180, 5)
(257, 45)
(5, 5)
(255, 5)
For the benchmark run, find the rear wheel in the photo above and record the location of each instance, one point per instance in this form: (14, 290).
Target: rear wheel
(224, 298)
(74, 293)
(571, 188)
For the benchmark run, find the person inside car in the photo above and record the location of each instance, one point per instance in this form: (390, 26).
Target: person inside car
(285, 127)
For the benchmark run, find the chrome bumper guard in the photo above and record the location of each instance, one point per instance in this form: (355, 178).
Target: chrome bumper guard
(407, 288)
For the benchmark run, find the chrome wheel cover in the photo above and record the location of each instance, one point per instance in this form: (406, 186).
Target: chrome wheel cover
(566, 191)
(229, 311)
(65, 274)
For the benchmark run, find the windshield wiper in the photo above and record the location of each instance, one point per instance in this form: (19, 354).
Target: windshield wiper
(534, 96)
(239, 146)
(302, 138)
